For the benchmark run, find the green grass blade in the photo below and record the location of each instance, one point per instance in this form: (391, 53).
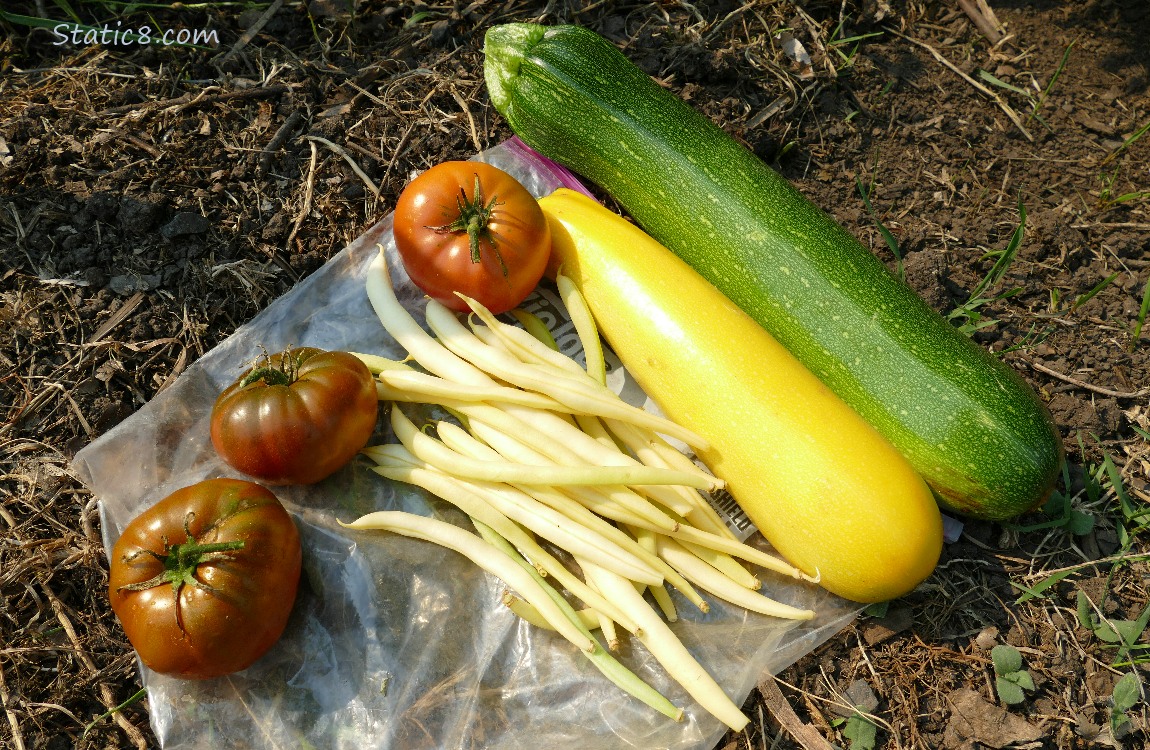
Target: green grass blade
(31, 21)
(1050, 85)
(1137, 195)
(1127, 143)
(1037, 591)
(1032, 338)
(1002, 84)
(1124, 501)
(135, 697)
(849, 39)
(891, 242)
(1084, 298)
(1142, 313)
(67, 8)
(995, 274)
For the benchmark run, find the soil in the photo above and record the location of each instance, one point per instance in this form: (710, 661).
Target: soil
(154, 198)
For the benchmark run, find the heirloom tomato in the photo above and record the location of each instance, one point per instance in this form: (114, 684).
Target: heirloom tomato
(297, 417)
(466, 226)
(204, 580)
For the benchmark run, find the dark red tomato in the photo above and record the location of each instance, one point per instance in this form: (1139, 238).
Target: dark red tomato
(297, 418)
(465, 226)
(204, 580)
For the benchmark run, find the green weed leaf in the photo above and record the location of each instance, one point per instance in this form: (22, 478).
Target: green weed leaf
(1122, 633)
(417, 18)
(1022, 679)
(1061, 514)
(1057, 505)
(1139, 321)
(1011, 680)
(861, 732)
(1009, 692)
(1085, 616)
(965, 316)
(1084, 298)
(1127, 692)
(135, 697)
(1006, 659)
(64, 6)
(1129, 631)
(1080, 523)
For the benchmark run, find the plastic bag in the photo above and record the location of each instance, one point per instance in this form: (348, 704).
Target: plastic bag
(395, 643)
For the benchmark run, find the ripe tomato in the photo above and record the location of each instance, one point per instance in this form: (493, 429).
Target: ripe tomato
(204, 580)
(469, 227)
(297, 418)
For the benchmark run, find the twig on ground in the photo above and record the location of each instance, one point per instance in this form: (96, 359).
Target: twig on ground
(1113, 225)
(777, 704)
(17, 735)
(189, 100)
(1122, 557)
(117, 317)
(981, 21)
(76, 410)
(251, 32)
(139, 143)
(107, 697)
(177, 368)
(399, 147)
(470, 119)
(136, 697)
(1083, 384)
(279, 138)
(988, 13)
(308, 190)
(30, 407)
(351, 162)
(361, 91)
(1006, 108)
(361, 150)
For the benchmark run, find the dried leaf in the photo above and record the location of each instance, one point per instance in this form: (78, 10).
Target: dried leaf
(795, 50)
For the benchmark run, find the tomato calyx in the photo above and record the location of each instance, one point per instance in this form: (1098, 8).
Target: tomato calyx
(282, 374)
(474, 217)
(181, 561)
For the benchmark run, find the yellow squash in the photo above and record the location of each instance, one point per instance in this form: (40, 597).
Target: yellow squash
(830, 493)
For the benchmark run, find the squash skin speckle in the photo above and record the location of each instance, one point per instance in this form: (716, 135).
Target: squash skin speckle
(968, 423)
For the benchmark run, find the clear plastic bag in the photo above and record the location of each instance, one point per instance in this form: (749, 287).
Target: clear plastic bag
(395, 643)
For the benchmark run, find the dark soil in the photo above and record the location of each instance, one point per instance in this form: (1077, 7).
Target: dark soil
(144, 216)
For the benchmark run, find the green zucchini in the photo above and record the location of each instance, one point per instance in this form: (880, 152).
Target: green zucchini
(968, 423)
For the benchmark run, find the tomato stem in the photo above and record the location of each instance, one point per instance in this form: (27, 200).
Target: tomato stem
(474, 218)
(181, 561)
